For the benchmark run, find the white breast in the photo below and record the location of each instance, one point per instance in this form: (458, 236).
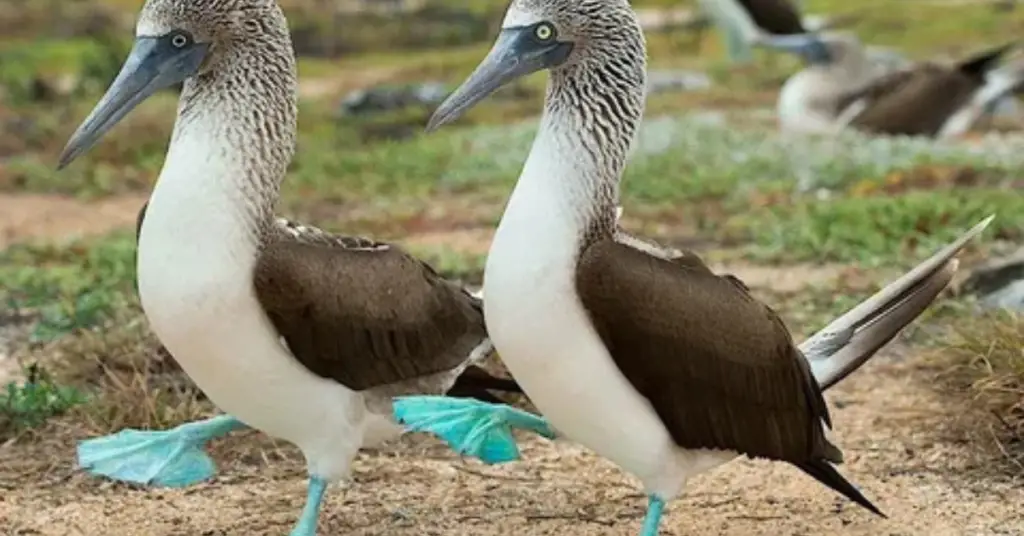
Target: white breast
(195, 265)
(799, 109)
(545, 338)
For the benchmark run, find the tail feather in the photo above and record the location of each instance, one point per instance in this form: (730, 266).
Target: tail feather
(823, 472)
(850, 340)
(1000, 83)
(475, 382)
(982, 62)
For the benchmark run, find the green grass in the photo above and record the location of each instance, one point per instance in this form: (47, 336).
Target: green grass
(30, 404)
(68, 287)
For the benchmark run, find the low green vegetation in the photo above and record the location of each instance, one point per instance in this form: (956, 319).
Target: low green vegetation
(68, 287)
(28, 405)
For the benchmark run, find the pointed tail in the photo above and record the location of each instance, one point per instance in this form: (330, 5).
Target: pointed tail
(827, 475)
(850, 340)
(999, 83)
(982, 62)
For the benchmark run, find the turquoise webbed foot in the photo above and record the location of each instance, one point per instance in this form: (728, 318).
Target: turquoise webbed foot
(470, 427)
(171, 458)
(655, 506)
(306, 526)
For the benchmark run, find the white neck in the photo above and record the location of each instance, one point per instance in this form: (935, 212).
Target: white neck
(567, 191)
(229, 152)
(202, 205)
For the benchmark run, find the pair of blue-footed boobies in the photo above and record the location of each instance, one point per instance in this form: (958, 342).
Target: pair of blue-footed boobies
(294, 331)
(640, 353)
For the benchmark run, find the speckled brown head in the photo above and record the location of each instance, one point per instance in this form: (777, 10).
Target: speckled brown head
(224, 26)
(233, 51)
(596, 46)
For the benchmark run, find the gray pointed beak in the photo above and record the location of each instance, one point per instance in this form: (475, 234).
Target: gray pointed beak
(153, 64)
(515, 54)
(809, 46)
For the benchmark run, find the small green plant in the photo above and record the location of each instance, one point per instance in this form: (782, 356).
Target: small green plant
(29, 405)
(86, 310)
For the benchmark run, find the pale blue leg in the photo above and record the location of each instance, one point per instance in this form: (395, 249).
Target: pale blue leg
(306, 525)
(655, 505)
(737, 47)
(172, 458)
(469, 426)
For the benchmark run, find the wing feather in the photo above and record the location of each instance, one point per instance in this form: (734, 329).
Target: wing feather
(720, 368)
(366, 315)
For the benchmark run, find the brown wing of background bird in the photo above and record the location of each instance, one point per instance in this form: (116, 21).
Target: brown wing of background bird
(918, 101)
(778, 17)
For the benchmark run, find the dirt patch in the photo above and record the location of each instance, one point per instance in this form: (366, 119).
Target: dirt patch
(348, 80)
(473, 241)
(58, 218)
(889, 422)
(783, 279)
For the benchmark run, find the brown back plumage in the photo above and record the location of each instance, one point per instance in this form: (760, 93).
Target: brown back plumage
(365, 317)
(663, 323)
(719, 368)
(919, 100)
(779, 17)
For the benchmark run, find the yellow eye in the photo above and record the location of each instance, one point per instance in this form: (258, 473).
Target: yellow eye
(544, 32)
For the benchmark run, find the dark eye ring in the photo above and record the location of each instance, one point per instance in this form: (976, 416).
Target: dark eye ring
(180, 40)
(544, 31)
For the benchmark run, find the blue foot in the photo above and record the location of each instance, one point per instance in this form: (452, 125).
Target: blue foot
(470, 427)
(306, 525)
(653, 518)
(172, 458)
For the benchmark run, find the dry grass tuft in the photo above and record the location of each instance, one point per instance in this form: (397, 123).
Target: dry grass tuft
(986, 361)
(131, 381)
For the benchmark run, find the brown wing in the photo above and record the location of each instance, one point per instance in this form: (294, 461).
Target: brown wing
(719, 367)
(777, 17)
(365, 317)
(885, 84)
(913, 102)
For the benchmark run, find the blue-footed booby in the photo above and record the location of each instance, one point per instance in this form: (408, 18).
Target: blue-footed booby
(289, 329)
(647, 358)
(841, 88)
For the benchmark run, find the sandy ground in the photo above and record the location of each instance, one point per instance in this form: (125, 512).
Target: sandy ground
(38, 216)
(890, 424)
(897, 434)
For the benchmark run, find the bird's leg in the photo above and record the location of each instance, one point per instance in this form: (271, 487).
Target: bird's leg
(655, 505)
(736, 44)
(171, 458)
(470, 427)
(306, 525)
